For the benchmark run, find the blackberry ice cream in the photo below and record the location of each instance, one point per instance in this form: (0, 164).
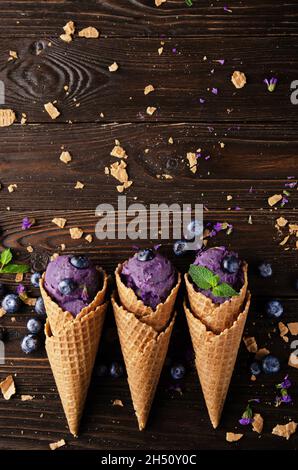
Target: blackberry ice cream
(72, 282)
(224, 264)
(150, 275)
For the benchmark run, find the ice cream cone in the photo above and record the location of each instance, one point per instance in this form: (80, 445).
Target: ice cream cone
(215, 357)
(144, 350)
(216, 317)
(71, 345)
(156, 318)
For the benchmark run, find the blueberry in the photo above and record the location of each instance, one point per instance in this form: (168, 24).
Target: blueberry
(195, 228)
(265, 269)
(34, 326)
(35, 277)
(80, 262)
(177, 371)
(116, 370)
(11, 303)
(2, 290)
(101, 370)
(230, 264)
(145, 255)
(39, 306)
(255, 368)
(274, 309)
(30, 344)
(66, 286)
(180, 247)
(270, 364)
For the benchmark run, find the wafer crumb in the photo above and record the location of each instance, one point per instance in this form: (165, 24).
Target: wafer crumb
(7, 117)
(293, 327)
(272, 200)
(59, 221)
(65, 157)
(76, 233)
(258, 423)
(192, 160)
(233, 437)
(150, 110)
(285, 430)
(89, 33)
(52, 111)
(250, 343)
(113, 67)
(118, 152)
(89, 238)
(7, 387)
(238, 79)
(79, 185)
(148, 89)
(27, 397)
(56, 445)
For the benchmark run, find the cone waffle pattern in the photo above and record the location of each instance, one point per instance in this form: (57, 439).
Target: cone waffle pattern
(144, 350)
(71, 345)
(215, 356)
(216, 317)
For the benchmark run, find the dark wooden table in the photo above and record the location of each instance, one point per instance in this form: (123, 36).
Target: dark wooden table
(259, 131)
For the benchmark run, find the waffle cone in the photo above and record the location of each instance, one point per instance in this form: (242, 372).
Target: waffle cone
(156, 318)
(216, 317)
(60, 318)
(71, 345)
(215, 357)
(144, 350)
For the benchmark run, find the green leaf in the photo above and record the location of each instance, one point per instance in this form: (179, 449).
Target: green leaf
(215, 281)
(188, 3)
(202, 277)
(6, 257)
(15, 268)
(224, 290)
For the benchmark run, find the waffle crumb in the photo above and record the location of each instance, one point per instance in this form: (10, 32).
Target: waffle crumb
(233, 437)
(238, 79)
(76, 233)
(56, 445)
(285, 430)
(7, 387)
(258, 423)
(7, 117)
(148, 89)
(52, 111)
(250, 343)
(59, 221)
(113, 67)
(89, 33)
(65, 157)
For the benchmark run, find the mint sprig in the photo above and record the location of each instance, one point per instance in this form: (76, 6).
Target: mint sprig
(7, 267)
(205, 279)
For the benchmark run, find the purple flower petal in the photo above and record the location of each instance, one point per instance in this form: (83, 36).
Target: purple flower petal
(245, 421)
(214, 91)
(26, 223)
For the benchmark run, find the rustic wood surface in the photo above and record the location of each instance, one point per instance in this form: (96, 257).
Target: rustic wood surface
(259, 132)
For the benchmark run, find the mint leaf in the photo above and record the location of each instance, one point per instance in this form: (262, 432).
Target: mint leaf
(15, 268)
(6, 257)
(224, 290)
(215, 281)
(202, 277)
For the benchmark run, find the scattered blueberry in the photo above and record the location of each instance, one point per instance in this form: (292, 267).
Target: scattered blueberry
(230, 264)
(30, 344)
(270, 364)
(2, 290)
(39, 306)
(35, 277)
(145, 255)
(274, 309)
(101, 370)
(80, 262)
(116, 370)
(265, 269)
(3, 334)
(177, 371)
(180, 247)
(255, 368)
(195, 228)
(34, 326)
(11, 303)
(66, 286)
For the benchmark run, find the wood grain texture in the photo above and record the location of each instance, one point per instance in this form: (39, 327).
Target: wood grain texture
(259, 131)
(180, 79)
(128, 18)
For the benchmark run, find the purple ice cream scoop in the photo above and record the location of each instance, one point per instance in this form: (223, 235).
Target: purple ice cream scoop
(217, 260)
(150, 275)
(72, 281)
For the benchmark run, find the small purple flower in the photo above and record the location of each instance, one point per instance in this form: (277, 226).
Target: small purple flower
(20, 289)
(286, 398)
(245, 421)
(202, 101)
(227, 9)
(174, 50)
(26, 223)
(286, 383)
(221, 61)
(214, 91)
(291, 185)
(217, 227)
(271, 83)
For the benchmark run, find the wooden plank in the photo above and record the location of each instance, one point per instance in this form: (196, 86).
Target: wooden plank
(255, 243)
(180, 79)
(254, 164)
(127, 18)
(36, 423)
